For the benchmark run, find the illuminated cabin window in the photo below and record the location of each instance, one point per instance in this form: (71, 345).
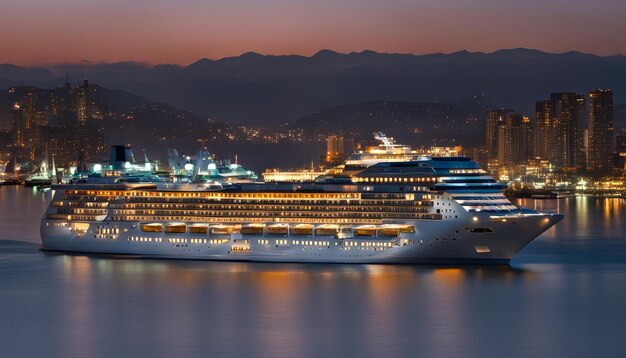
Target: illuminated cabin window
(151, 227)
(482, 249)
(80, 227)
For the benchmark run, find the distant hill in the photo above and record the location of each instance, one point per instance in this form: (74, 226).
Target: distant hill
(132, 119)
(415, 123)
(258, 89)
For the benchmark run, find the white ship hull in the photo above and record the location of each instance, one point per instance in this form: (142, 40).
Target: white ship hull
(447, 241)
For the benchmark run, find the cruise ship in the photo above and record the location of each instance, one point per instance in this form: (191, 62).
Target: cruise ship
(412, 209)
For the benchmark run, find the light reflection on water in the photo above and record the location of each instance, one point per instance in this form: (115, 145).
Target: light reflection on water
(563, 296)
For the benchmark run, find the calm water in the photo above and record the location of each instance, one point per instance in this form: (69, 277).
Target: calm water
(564, 295)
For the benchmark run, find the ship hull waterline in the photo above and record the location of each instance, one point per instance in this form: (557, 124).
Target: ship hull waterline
(432, 243)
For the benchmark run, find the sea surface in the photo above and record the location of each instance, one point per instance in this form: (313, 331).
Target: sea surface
(564, 295)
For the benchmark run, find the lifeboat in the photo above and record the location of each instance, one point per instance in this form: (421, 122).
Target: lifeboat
(326, 230)
(151, 227)
(223, 229)
(199, 228)
(279, 229)
(175, 228)
(252, 229)
(302, 229)
(407, 229)
(368, 230)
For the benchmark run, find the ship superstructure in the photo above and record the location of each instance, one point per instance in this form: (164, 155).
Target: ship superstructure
(415, 210)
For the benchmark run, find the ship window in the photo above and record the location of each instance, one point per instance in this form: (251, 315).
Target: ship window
(481, 229)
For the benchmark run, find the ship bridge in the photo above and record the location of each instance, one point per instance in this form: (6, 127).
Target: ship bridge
(444, 174)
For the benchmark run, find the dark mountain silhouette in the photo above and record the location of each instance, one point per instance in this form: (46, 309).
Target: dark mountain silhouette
(258, 89)
(14, 75)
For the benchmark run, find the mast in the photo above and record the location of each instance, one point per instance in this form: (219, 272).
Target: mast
(54, 169)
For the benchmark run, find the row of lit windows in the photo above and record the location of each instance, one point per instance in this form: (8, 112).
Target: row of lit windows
(354, 221)
(78, 217)
(319, 212)
(365, 248)
(173, 202)
(405, 200)
(81, 211)
(201, 194)
(405, 205)
(269, 216)
(56, 224)
(466, 171)
(176, 240)
(107, 231)
(145, 239)
(87, 204)
(395, 180)
(240, 248)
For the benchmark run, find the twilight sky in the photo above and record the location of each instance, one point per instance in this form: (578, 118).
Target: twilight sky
(183, 31)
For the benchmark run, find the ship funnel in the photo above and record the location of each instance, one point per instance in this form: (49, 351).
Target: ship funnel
(120, 155)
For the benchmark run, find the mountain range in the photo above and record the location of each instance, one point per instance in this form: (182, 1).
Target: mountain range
(268, 90)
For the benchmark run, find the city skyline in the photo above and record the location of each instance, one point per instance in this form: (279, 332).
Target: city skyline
(181, 33)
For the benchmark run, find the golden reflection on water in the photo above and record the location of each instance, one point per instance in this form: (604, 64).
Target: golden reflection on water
(585, 217)
(281, 307)
(78, 304)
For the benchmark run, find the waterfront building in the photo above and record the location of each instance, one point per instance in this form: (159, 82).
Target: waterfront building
(334, 149)
(600, 129)
(516, 138)
(543, 130)
(567, 112)
(495, 120)
(18, 126)
(620, 146)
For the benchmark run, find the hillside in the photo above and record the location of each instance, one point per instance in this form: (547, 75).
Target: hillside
(422, 123)
(269, 90)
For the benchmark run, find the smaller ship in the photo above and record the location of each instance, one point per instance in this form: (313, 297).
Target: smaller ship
(38, 180)
(205, 168)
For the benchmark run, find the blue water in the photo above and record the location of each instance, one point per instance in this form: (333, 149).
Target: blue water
(563, 296)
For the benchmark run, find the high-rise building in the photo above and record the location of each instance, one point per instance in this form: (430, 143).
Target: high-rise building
(620, 146)
(495, 119)
(87, 107)
(543, 130)
(567, 113)
(334, 149)
(600, 129)
(18, 126)
(516, 140)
